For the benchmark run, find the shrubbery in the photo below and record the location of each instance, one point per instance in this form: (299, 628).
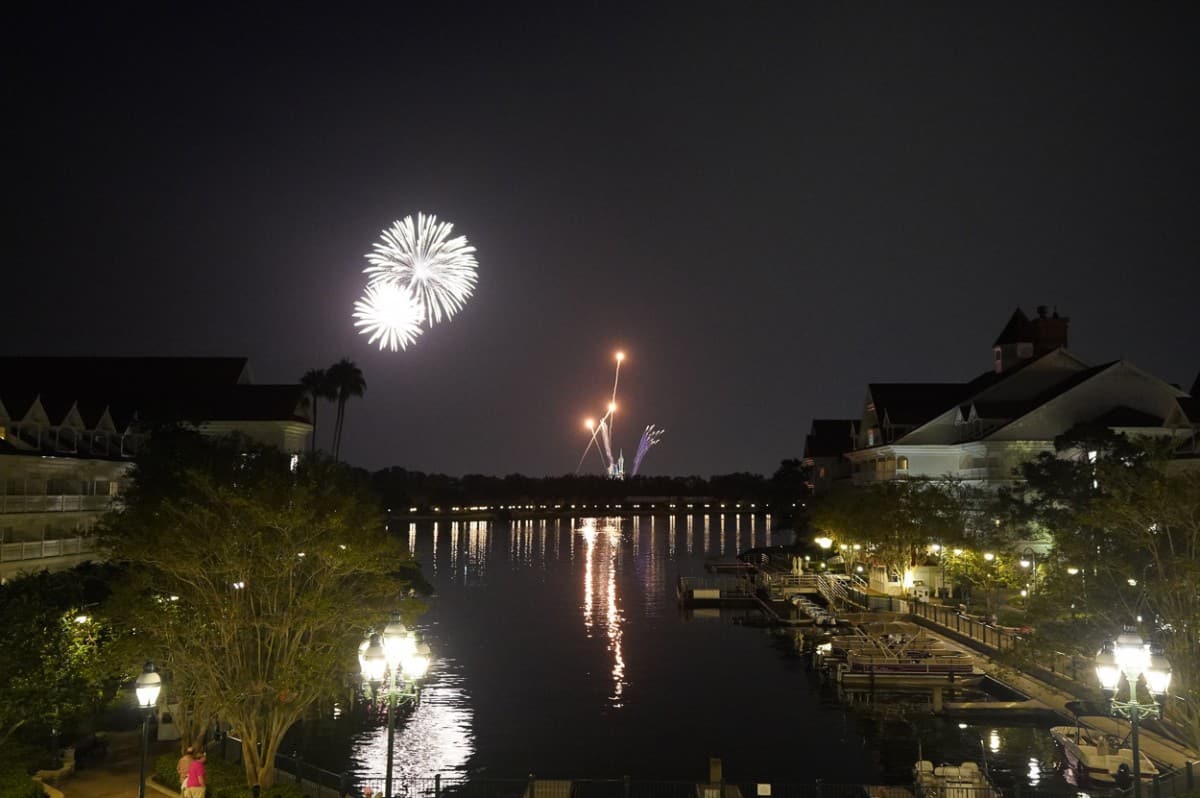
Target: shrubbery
(225, 779)
(15, 781)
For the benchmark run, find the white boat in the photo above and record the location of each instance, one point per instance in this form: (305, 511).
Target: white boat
(953, 781)
(1097, 757)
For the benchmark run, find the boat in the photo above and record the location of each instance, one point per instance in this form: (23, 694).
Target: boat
(1098, 757)
(965, 780)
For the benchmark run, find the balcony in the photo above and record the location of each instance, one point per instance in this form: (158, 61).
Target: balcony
(54, 504)
(44, 549)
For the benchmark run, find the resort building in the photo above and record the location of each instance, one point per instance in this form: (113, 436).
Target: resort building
(71, 426)
(981, 430)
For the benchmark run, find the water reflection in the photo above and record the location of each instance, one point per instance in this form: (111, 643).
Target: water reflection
(602, 538)
(538, 624)
(437, 737)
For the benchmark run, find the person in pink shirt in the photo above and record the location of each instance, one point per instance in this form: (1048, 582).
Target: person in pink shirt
(196, 777)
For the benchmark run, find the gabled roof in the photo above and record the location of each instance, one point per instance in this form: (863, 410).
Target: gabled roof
(913, 403)
(1018, 330)
(92, 412)
(17, 401)
(256, 403)
(121, 376)
(1122, 416)
(829, 437)
(57, 407)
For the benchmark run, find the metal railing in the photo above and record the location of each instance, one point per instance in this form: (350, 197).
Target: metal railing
(1069, 666)
(532, 787)
(43, 549)
(313, 781)
(1172, 783)
(18, 503)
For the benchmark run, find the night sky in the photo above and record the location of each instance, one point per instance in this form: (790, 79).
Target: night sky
(767, 205)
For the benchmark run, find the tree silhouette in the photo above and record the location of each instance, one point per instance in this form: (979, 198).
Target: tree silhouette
(319, 386)
(346, 380)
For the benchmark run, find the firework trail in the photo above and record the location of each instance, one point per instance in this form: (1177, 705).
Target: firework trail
(606, 436)
(650, 437)
(612, 403)
(390, 315)
(422, 257)
(602, 435)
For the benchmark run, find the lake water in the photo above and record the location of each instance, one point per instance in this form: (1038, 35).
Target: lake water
(559, 649)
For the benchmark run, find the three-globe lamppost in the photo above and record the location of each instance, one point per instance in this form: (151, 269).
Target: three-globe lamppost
(392, 664)
(147, 687)
(1134, 659)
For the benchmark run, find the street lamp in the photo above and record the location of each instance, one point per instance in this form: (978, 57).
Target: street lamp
(392, 665)
(1134, 659)
(146, 687)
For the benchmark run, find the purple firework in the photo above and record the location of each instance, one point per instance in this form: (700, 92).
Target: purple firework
(649, 438)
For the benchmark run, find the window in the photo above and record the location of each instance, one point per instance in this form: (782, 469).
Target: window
(821, 472)
(902, 463)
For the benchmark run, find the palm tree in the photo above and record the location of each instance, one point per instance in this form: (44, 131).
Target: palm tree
(319, 386)
(347, 380)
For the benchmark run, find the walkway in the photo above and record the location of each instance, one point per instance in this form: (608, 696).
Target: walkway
(114, 779)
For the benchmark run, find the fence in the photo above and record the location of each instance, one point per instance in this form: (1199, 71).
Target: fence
(313, 781)
(532, 787)
(1058, 664)
(1175, 783)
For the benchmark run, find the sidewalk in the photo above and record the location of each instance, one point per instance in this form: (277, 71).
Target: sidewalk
(115, 779)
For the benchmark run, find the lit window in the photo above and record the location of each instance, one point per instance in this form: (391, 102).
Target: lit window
(902, 463)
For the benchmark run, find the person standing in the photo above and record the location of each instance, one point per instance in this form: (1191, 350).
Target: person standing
(196, 778)
(181, 767)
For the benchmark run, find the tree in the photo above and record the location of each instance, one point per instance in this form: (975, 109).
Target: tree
(319, 386)
(1126, 524)
(895, 522)
(346, 379)
(52, 651)
(252, 584)
(1152, 515)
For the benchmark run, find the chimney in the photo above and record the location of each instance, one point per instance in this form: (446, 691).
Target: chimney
(1049, 331)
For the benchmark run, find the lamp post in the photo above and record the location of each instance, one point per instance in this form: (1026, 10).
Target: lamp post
(146, 687)
(1028, 562)
(393, 663)
(1132, 658)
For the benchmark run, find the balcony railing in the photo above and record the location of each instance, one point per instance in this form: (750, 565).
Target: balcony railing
(53, 504)
(44, 549)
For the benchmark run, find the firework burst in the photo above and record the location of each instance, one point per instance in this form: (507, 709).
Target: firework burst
(389, 314)
(422, 257)
(602, 436)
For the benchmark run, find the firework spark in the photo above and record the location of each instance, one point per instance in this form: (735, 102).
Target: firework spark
(389, 314)
(422, 257)
(650, 437)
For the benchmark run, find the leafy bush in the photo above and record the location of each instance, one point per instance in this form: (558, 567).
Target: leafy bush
(225, 779)
(15, 781)
(164, 770)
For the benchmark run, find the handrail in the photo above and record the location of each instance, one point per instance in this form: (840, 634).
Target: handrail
(43, 549)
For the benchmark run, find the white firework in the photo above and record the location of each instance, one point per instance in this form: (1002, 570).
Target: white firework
(389, 314)
(422, 257)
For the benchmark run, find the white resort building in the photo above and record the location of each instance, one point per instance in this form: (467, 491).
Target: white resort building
(70, 427)
(980, 431)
